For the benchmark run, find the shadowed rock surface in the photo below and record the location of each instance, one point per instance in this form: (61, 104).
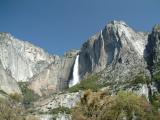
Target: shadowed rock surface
(54, 78)
(118, 50)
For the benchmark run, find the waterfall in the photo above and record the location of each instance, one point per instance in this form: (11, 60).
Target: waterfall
(75, 79)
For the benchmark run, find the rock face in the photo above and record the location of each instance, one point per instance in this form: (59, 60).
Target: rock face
(21, 58)
(153, 49)
(68, 100)
(153, 56)
(54, 78)
(26, 62)
(7, 83)
(118, 50)
(118, 53)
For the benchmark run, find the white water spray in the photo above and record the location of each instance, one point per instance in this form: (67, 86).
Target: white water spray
(75, 79)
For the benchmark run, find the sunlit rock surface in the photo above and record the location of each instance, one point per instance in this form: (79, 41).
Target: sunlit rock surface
(7, 83)
(22, 58)
(56, 76)
(68, 100)
(117, 50)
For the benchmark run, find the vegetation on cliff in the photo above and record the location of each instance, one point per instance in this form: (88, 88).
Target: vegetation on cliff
(90, 83)
(28, 95)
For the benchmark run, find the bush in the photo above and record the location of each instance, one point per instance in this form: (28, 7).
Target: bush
(16, 97)
(90, 106)
(28, 95)
(156, 100)
(140, 79)
(128, 104)
(61, 110)
(10, 111)
(90, 83)
(31, 118)
(156, 77)
(124, 105)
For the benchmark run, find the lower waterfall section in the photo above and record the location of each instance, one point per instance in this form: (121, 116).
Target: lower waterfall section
(75, 79)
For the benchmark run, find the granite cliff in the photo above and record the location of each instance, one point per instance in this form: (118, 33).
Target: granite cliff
(117, 49)
(22, 58)
(26, 62)
(119, 54)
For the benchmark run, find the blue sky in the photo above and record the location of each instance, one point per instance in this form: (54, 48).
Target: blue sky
(61, 25)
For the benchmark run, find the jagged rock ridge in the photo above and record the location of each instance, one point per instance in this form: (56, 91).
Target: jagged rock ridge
(28, 63)
(117, 49)
(118, 52)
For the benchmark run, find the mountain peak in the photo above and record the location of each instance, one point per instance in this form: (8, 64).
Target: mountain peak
(115, 22)
(5, 34)
(156, 28)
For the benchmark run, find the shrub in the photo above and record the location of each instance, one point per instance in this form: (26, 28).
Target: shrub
(90, 106)
(16, 97)
(28, 95)
(124, 105)
(156, 100)
(61, 110)
(156, 77)
(10, 111)
(31, 118)
(140, 79)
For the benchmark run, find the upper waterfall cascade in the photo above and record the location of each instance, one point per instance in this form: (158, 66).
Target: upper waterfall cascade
(75, 79)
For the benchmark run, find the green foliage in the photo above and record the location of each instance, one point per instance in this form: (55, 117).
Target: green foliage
(61, 110)
(10, 111)
(127, 103)
(140, 79)
(28, 95)
(90, 83)
(156, 77)
(156, 100)
(16, 97)
(90, 106)
(102, 106)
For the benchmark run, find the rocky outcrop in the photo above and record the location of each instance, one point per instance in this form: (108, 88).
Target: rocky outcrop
(68, 100)
(153, 50)
(26, 62)
(7, 83)
(153, 57)
(21, 58)
(62, 100)
(60, 116)
(118, 53)
(63, 117)
(117, 50)
(56, 76)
